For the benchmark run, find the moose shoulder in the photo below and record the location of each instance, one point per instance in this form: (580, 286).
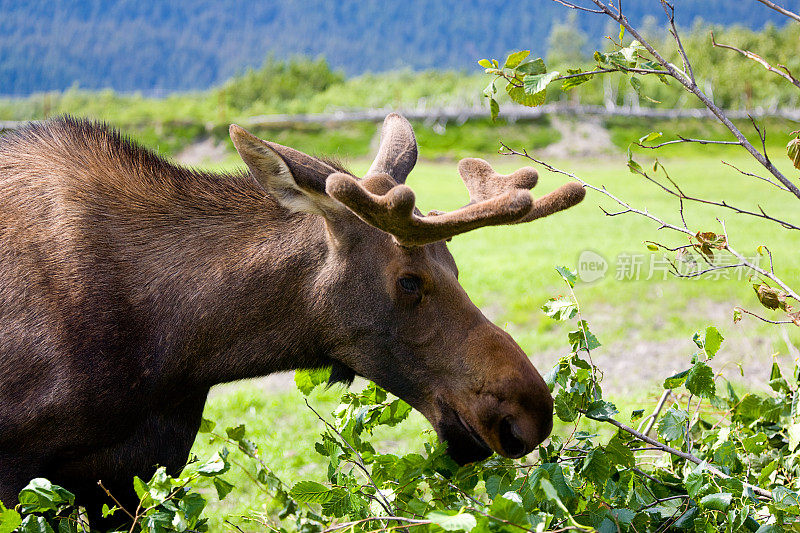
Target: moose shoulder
(129, 287)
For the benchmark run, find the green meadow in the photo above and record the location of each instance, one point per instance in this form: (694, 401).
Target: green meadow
(645, 325)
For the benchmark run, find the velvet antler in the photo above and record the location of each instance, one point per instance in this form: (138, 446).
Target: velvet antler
(394, 213)
(397, 153)
(382, 200)
(484, 183)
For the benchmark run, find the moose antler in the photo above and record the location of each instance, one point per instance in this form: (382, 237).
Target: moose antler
(397, 153)
(382, 200)
(495, 200)
(484, 183)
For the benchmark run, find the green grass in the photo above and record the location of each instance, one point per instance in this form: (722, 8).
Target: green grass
(508, 271)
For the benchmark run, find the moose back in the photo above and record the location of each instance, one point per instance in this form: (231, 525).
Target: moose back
(130, 286)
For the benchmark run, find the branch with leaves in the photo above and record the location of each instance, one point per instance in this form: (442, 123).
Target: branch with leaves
(526, 82)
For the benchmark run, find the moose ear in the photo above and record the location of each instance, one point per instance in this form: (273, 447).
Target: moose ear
(294, 179)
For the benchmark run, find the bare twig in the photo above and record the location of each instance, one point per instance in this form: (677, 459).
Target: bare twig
(678, 193)
(376, 519)
(608, 70)
(692, 87)
(779, 9)
(669, 9)
(116, 502)
(745, 311)
(651, 418)
(684, 455)
(681, 140)
(627, 208)
(576, 7)
(662, 500)
(778, 185)
(758, 59)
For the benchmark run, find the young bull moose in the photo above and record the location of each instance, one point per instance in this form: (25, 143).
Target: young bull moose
(129, 287)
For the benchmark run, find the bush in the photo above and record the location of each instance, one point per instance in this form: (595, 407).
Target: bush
(280, 81)
(722, 461)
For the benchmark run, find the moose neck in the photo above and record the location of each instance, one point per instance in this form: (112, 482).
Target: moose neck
(241, 308)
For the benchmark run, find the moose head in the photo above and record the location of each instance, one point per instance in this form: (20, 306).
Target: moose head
(386, 298)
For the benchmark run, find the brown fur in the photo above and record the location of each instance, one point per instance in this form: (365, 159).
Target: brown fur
(130, 286)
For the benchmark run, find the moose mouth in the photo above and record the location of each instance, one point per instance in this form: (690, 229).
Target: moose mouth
(464, 445)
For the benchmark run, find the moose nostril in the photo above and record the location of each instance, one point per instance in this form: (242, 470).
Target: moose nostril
(512, 445)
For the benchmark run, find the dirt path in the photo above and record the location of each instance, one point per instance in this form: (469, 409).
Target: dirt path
(580, 137)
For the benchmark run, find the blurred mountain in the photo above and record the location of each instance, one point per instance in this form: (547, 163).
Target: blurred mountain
(175, 45)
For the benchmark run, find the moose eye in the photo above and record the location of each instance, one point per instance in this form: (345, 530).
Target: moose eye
(409, 284)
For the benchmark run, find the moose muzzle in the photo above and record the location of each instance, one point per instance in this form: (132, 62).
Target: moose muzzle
(505, 407)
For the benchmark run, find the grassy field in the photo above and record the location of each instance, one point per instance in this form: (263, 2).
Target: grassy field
(645, 326)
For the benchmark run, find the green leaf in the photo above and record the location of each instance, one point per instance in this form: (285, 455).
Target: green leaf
(537, 83)
(494, 108)
(310, 492)
(140, 487)
(568, 275)
(676, 380)
(223, 487)
(582, 338)
(672, 424)
(717, 502)
(756, 443)
(776, 380)
(561, 308)
(454, 522)
(35, 524)
(564, 408)
(509, 510)
(339, 502)
(9, 520)
(700, 380)
(713, 341)
(785, 499)
(307, 380)
(793, 434)
(39, 495)
(571, 83)
(750, 407)
(207, 426)
(636, 83)
(596, 468)
(518, 95)
(653, 135)
(532, 68)
(515, 58)
(216, 465)
(618, 453)
(485, 63)
(236, 433)
(394, 413)
(601, 410)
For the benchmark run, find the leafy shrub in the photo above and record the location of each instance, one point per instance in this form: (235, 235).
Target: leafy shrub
(721, 461)
(299, 77)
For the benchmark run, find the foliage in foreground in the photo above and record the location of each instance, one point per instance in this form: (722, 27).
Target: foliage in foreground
(721, 461)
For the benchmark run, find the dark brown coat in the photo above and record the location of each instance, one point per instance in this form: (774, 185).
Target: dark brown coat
(130, 286)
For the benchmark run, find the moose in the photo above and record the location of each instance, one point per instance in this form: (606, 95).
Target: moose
(129, 286)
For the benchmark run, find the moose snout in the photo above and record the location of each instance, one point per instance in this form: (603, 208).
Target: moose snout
(514, 407)
(520, 435)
